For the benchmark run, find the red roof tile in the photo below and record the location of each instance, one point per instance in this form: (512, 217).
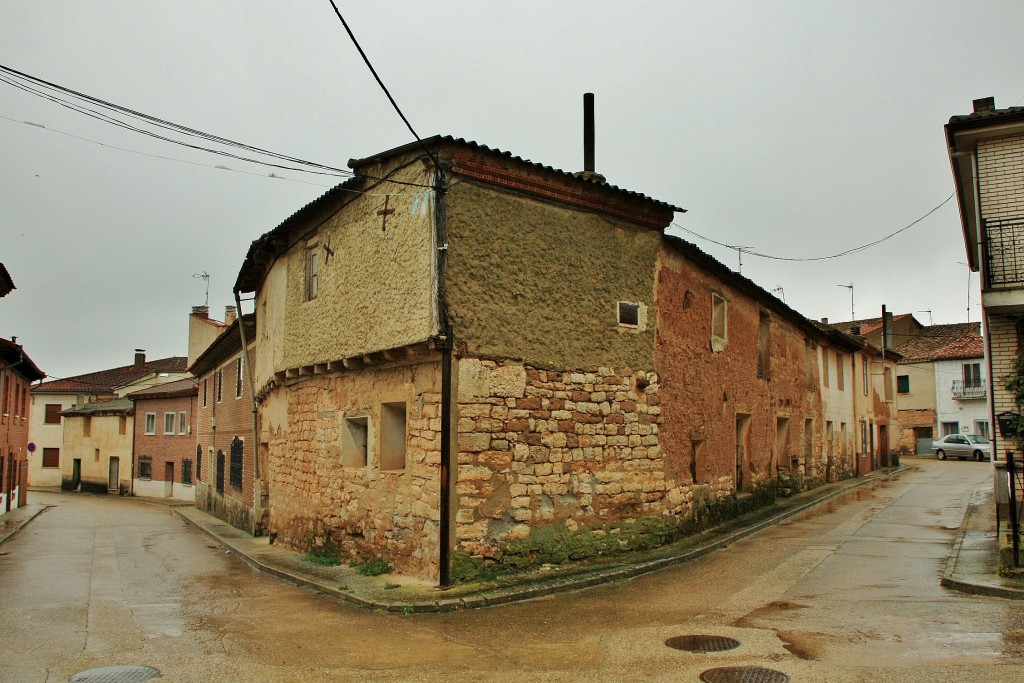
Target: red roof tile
(106, 381)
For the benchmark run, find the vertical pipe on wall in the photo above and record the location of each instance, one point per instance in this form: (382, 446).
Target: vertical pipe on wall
(257, 494)
(446, 346)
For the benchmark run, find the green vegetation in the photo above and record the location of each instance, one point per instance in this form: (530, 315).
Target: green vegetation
(372, 568)
(326, 555)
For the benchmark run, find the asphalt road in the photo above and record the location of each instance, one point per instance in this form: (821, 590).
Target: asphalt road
(849, 592)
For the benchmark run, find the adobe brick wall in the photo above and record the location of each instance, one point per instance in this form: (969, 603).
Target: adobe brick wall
(163, 448)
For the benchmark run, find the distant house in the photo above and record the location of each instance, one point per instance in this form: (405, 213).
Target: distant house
(164, 441)
(986, 153)
(17, 372)
(226, 481)
(942, 383)
(97, 448)
(52, 465)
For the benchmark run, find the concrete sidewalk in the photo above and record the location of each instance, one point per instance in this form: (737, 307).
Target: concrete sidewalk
(12, 522)
(400, 594)
(973, 564)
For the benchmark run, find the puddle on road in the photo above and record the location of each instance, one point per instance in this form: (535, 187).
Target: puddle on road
(804, 644)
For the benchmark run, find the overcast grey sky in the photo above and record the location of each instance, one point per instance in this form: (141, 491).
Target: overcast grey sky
(792, 128)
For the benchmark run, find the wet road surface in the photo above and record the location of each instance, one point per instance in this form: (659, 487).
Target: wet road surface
(848, 592)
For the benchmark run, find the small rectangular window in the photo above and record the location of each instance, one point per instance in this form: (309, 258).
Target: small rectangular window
(719, 323)
(903, 384)
(87, 426)
(239, 365)
(51, 457)
(52, 414)
(145, 468)
(887, 380)
(186, 471)
(169, 421)
(218, 382)
(764, 346)
(150, 423)
(204, 392)
(840, 375)
(355, 433)
(629, 314)
(825, 371)
(392, 436)
(122, 425)
(235, 473)
(182, 422)
(864, 373)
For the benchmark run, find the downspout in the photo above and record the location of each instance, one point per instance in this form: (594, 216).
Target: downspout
(446, 346)
(257, 493)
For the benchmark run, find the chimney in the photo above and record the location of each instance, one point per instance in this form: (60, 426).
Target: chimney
(589, 172)
(824, 321)
(140, 358)
(229, 315)
(886, 329)
(201, 312)
(985, 104)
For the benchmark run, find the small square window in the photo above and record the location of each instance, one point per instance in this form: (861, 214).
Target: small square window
(52, 414)
(51, 457)
(629, 314)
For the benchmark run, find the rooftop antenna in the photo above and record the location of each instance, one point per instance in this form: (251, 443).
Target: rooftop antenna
(739, 255)
(929, 312)
(205, 277)
(850, 287)
(782, 294)
(968, 290)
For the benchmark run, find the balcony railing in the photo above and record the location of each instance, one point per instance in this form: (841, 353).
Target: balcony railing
(1004, 251)
(971, 391)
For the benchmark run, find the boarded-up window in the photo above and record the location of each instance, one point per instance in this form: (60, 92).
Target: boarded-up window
(52, 414)
(51, 457)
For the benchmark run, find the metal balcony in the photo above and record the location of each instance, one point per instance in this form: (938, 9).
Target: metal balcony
(1004, 252)
(970, 392)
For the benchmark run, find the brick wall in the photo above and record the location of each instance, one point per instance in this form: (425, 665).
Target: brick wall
(14, 424)
(162, 448)
(1001, 174)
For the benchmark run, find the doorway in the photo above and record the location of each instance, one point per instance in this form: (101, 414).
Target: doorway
(742, 450)
(883, 444)
(112, 475)
(76, 474)
(168, 480)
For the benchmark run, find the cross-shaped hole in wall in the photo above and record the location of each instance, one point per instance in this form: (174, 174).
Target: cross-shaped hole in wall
(384, 213)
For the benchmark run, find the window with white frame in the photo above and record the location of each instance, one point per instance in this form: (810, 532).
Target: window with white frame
(182, 422)
(169, 421)
(312, 272)
(150, 423)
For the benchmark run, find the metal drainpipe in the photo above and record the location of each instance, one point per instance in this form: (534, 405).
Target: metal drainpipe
(256, 493)
(447, 346)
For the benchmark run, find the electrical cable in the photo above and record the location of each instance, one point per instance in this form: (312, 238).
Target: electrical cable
(41, 91)
(847, 252)
(381, 83)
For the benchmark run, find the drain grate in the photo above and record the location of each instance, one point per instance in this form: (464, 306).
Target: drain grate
(116, 674)
(743, 674)
(702, 643)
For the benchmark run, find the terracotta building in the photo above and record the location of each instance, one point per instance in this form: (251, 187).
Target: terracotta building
(458, 350)
(164, 444)
(17, 372)
(226, 481)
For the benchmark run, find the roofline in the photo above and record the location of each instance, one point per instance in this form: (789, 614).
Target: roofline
(223, 346)
(24, 362)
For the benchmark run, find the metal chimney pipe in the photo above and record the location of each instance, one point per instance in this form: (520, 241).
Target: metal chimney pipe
(588, 132)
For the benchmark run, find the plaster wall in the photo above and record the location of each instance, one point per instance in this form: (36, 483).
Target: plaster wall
(319, 495)
(376, 291)
(537, 281)
(96, 450)
(270, 323)
(48, 436)
(837, 408)
(949, 409)
(201, 333)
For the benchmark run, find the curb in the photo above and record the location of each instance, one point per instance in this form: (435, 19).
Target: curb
(950, 581)
(5, 535)
(536, 590)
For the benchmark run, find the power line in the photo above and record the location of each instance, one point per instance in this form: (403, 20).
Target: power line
(46, 90)
(381, 83)
(847, 252)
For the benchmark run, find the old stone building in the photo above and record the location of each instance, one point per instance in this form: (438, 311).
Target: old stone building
(458, 350)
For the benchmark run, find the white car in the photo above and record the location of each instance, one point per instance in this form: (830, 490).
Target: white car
(963, 446)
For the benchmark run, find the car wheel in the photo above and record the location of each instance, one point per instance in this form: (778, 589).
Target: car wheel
(940, 454)
(978, 456)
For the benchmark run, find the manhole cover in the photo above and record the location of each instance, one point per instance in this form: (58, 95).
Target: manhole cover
(743, 674)
(702, 643)
(116, 674)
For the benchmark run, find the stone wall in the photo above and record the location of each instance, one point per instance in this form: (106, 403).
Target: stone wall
(319, 497)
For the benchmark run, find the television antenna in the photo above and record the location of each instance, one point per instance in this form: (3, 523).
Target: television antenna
(206, 278)
(850, 287)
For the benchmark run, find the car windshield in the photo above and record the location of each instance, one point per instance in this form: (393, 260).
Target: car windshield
(978, 438)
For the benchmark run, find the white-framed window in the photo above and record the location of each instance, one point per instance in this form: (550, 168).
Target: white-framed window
(239, 366)
(182, 422)
(169, 421)
(150, 423)
(864, 373)
(719, 322)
